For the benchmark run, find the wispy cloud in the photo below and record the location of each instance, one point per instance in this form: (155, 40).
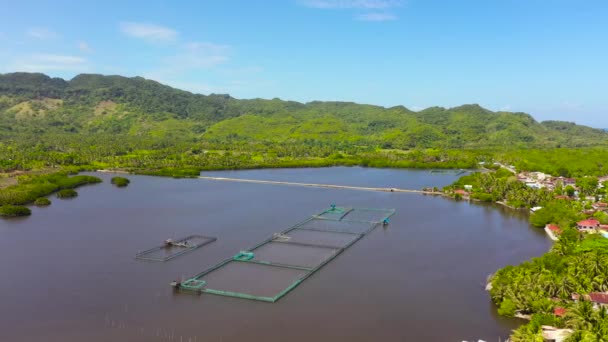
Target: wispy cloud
(41, 33)
(196, 55)
(191, 57)
(84, 47)
(376, 17)
(352, 4)
(149, 32)
(48, 62)
(376, 10)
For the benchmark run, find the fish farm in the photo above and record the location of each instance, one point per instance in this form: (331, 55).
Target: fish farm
(448, 172)
(272, 268)
(173, 248)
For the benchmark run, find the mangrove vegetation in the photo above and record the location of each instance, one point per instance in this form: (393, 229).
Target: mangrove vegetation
(42, 202)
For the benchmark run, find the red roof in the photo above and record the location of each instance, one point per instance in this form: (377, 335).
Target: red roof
(589, 223)
(601, 204)
(554, 228)
(559, 311)
(562, 197)
(599, 297)
(460, 192)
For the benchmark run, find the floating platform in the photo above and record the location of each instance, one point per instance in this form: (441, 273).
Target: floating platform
(272, 268)
(173, 248)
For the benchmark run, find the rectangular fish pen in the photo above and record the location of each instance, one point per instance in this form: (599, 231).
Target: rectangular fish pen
(272, 268)
(174, 248)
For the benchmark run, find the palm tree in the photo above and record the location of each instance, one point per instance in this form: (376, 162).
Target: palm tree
(581, 316)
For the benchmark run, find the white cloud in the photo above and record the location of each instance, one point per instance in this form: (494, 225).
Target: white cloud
(376, 17)
(84, 47)
(48, 62)
(198, 55)
(351, 4)
(149, 32)
(41, 33)
(248, 70)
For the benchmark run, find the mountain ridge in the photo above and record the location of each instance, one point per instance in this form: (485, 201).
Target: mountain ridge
(135, 106)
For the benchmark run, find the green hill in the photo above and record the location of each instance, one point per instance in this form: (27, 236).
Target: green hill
(96, 121)
(96, 104)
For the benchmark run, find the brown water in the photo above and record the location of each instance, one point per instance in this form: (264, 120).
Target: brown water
(68, 272)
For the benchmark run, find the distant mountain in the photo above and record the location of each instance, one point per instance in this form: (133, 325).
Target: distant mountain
(35, 104)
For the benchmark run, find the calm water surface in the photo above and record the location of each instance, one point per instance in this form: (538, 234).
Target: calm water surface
(68, 272)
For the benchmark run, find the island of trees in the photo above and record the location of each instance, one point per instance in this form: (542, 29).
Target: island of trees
(120, 182)
(42, 202)
(8, 210)
(67, 193)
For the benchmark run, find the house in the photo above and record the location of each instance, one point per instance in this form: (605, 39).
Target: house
(553, 334)
(534, 185)
(600, 206)
(535, 209)
(553, 231)
(562, 197)
(559, 311)
(590, 225)
(468, 187)
(599, 299)
(567, 181)
(461, 192)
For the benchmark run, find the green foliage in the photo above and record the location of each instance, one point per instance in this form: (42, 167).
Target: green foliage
(587, 185)
(574, 265)
(67, 193)
(42, 202)
(563, 213)
(14, 211)
(507, 308)
(173, 172)
(502, 186)
(96, 121)
(570, 190)
(120, 181)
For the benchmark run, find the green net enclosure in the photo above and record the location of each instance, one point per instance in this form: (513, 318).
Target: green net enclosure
(275, 266)
(173, 248)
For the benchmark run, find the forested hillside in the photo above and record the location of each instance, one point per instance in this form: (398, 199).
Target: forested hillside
(139, 107)
(139, 123)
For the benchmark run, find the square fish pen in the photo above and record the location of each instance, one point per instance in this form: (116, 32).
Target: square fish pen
(272, 268)
(174, 248)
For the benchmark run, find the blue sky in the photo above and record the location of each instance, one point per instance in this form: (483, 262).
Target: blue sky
(548, 58)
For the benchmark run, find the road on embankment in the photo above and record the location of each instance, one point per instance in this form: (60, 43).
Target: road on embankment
(315, 185)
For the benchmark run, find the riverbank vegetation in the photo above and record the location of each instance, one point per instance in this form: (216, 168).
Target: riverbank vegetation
(14, 211)
(120, 182)
(576, 265)
(31, 187)
(562, 280)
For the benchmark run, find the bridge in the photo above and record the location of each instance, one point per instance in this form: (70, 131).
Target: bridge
(316, 185)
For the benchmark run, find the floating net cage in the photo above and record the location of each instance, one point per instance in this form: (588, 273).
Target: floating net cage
(174, 248)
(272, 268)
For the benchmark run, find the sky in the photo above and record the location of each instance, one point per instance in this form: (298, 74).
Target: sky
(548, 58)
